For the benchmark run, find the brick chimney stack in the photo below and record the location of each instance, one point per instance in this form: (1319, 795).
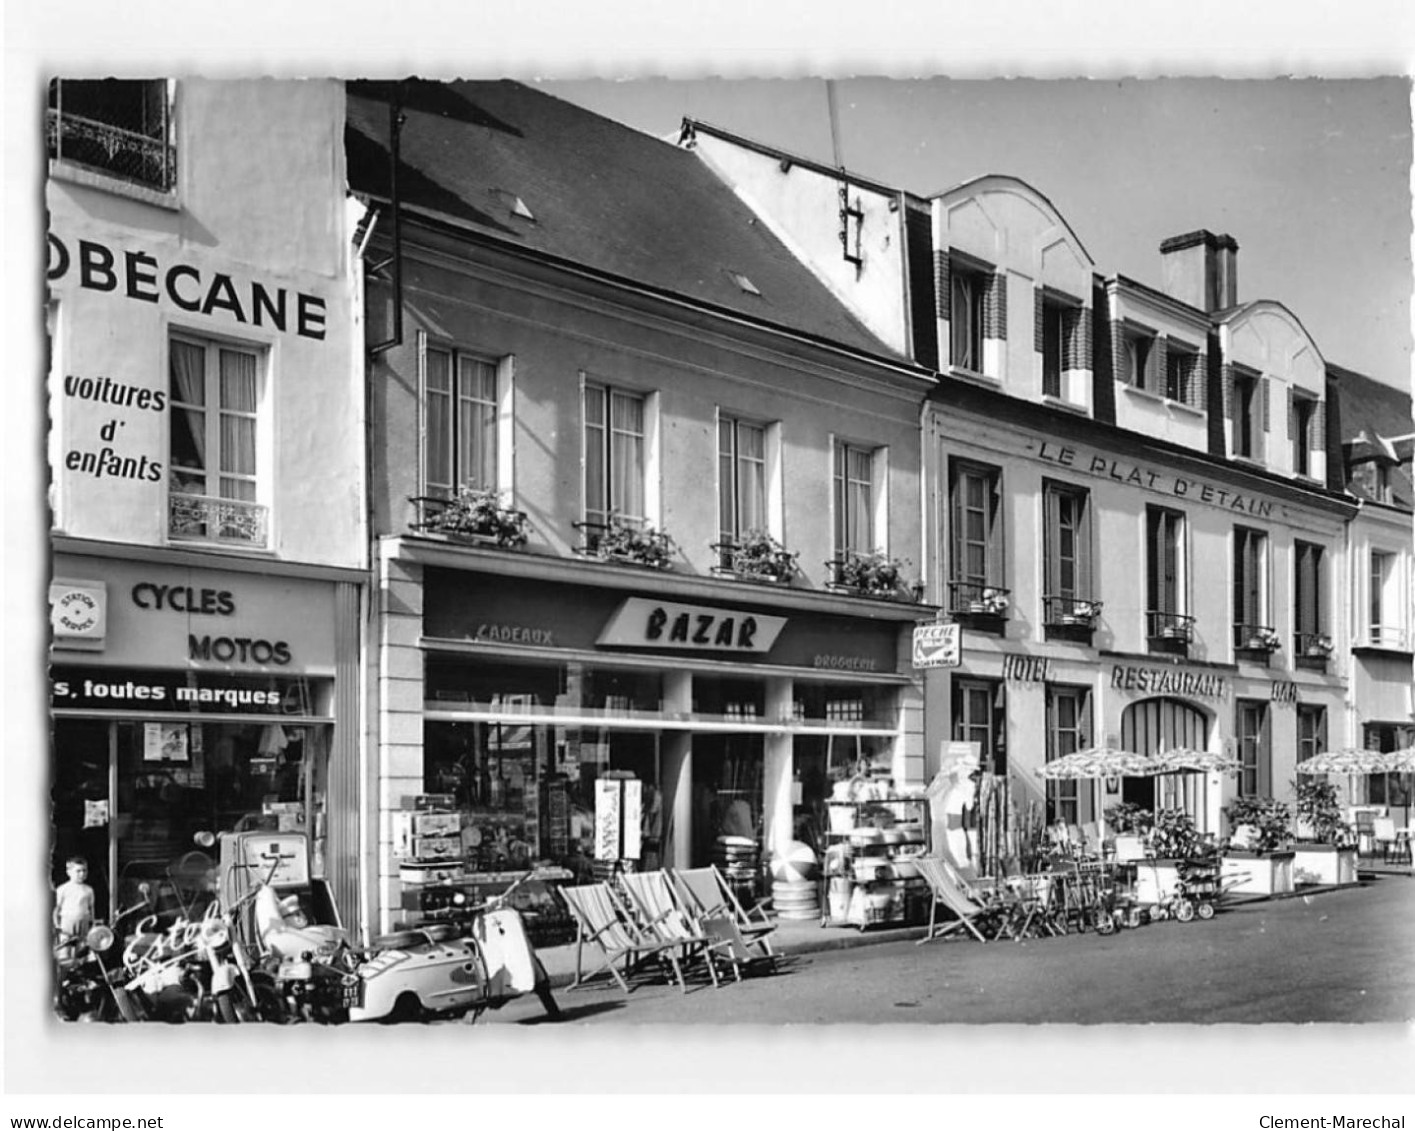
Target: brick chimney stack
(1201, 269)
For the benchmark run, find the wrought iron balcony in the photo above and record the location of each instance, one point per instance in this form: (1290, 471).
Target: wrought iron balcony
(1313, 650)
(149, 161)
(1256, 638)
(1170, 633)
(201, 518)
(1070, 612)
(976, 598)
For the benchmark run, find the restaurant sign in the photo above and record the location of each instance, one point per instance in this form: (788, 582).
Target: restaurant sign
(1168, 681)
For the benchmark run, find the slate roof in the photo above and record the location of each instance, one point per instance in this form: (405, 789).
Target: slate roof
(603, 197)
(1376, 423)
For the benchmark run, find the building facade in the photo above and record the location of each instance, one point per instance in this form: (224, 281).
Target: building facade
(599, 347)
(1127, 503)
(206, 475)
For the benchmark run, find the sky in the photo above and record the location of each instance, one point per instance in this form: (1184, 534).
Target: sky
(1311, 176)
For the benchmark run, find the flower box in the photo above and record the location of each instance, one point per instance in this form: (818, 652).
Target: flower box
(1325, 864)
(1156, 880)
(1257, 873)
(1128, 847)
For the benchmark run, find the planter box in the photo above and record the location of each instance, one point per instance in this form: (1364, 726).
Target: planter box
(1251, 873)
(1129, 847)
(1323, 864)
(1156, 880)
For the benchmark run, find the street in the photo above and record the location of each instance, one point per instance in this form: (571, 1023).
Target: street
(1339, 956)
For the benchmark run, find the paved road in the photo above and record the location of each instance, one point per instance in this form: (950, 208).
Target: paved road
(1342, 956)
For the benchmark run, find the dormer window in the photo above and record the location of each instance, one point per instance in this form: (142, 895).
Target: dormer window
(1060, 349)
(1181, 373)
(1137, 359)
(1304, 414)
(966, 325)
(1246, 415)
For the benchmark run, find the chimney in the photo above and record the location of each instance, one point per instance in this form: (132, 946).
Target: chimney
(1201, 269)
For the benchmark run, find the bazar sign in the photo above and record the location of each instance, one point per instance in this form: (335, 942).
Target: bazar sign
(1163, 483)
(1159, 681)
(640, 622)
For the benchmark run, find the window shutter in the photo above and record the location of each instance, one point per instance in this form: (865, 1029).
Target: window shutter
(1291, 412)
(955, 525)
(995, 307)
(1198, 383)
(1317, 428)
(1263, 423)
(1227, 377)
(1265, 754)
(1051, 517)
(995, 571)
(1083, 548)
(943, 286)
(1038, 320)
(1158, 377)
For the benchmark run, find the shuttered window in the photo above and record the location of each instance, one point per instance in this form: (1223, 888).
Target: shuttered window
(1164, 531)
(976, 523)
(1249, 580)
(1254, 749)
(1067, 542)
(1308, 597)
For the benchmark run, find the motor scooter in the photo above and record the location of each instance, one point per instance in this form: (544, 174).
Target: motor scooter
(87, 988)
(477, 958)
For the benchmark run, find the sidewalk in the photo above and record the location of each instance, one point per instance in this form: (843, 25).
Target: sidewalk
(809, 937)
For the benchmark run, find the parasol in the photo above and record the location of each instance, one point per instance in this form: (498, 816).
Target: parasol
(1348, 760)
(1187, 760)
(1098, 762)
(1399, 761)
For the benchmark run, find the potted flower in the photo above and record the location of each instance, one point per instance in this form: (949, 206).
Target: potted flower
(1263, 640)
(875, 574)
(1131, 823)
(1319, 646)
(640, 545)
(477, 513)
(1081, 612)
(1325, 852)
(1170, 838)
(1257, 859)
(994, 602)
(760, 557)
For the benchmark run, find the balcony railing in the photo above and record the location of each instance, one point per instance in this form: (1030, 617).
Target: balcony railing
(1169, 632)
(1070, 612)
(149, 161)
(201, 518)
(476, 518)
(1313, 650)
(976, 598)
(755, 560)
(1386, 636)
(1256, 637)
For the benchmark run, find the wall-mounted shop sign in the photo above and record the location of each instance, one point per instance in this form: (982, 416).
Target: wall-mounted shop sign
(514, 634)
(1026, 669)
(1284, 691)
(78, 613)
(644, 623)
(1168, 681)
(166, 692)
(137, 275)
(1165, 483)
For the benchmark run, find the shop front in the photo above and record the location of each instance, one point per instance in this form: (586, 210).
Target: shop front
(188, 700)
(734, 718)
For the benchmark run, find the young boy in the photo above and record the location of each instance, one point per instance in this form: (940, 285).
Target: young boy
(73, 900)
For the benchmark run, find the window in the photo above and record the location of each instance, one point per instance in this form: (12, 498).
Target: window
(1250, 588)
(1137, 359)
(214, 483)
(969, 288)
(1311, 731)
(1247, 416)
(854, 500)
(975, 494)
(1067, 537)
(118, 126)
(979, 715)
(1165, 556)
(1068, 730)
(741, 480)
(1055, 335)
(1181, 374)
(1304, 412)
(461, 422)
(614, 455)
(1308, 599)
(1373, 479)
(1385, 626)
(1254, 749)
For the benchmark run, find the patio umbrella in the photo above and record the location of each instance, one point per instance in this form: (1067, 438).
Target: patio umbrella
(1095, 763)
(1347, 760)
(1187, 760)
(1399, 761)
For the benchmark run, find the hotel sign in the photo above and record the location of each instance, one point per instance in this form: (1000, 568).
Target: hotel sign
(1180, 487)
(644, 623)
(1168, 681)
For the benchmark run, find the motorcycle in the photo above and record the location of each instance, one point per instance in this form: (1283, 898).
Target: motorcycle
(477, 958)
(312, 967)
(87, 988)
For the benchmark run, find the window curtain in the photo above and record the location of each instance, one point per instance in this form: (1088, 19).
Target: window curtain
(437, 452)
(238, 406)
(626, 455)
(751, 477)
(187, 385)
(477, 423)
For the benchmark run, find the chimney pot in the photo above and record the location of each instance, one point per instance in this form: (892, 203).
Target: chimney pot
(1201, 269)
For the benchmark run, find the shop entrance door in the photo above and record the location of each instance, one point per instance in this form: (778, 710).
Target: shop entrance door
(727, 790)
(1153, 725)
(82, 805)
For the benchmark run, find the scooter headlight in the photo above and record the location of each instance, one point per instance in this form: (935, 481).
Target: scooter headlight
(99, 938)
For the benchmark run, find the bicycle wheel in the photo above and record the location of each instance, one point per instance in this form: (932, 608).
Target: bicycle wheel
(1184, 911)
(1206, 910)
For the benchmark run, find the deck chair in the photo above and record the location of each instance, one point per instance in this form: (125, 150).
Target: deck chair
(1383, 837)
(707, 894)
(601, 921)
(661, 914)
(970, 915)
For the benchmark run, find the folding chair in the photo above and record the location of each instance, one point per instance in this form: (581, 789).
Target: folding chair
(661, 914)
(707, 894)
(970, 914)
(601, 921)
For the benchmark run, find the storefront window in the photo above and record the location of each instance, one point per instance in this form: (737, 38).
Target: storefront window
(729, 698)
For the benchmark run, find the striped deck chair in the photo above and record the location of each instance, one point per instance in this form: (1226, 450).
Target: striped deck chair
(602, 921)
(707, 895)
(660, 913)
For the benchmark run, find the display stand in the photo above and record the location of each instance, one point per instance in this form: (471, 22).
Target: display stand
(867, 876)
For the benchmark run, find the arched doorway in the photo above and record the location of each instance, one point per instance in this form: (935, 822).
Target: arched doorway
(1152, 725)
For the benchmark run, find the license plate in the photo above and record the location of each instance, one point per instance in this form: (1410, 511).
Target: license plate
(350, 994)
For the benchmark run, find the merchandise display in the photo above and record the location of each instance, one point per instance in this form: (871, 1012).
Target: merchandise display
(873, 839)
